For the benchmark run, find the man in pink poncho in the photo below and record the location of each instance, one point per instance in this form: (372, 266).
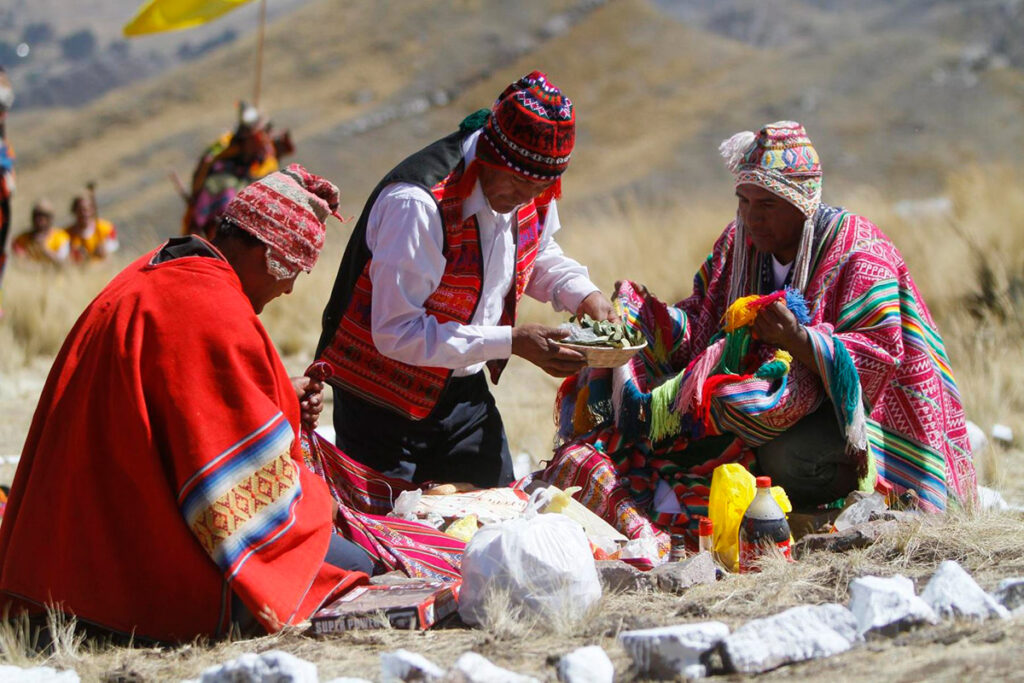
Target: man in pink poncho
(836, 379)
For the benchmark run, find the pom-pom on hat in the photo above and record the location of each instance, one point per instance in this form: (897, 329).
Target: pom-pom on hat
(286, 211)
(779, 158)
(531, 130)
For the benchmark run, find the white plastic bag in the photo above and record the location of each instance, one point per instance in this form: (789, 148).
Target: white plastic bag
(644, 547)
(405, 505)
(542, 562)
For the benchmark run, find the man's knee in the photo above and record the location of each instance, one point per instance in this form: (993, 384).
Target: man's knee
(344, 554)
(810, 460)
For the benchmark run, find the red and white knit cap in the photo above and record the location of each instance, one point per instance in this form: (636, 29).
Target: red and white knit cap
(286, 211)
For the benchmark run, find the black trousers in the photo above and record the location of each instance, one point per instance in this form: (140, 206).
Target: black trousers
(462, 440)
(810, 460)
(341, 553)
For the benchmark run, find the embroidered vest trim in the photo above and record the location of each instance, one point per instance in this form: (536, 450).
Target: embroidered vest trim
(413, 391)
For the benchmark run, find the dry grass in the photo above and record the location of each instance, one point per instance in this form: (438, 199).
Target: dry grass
(986, 544)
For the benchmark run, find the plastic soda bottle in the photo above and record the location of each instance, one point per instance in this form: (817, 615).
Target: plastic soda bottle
(705, 532)
(763, 529)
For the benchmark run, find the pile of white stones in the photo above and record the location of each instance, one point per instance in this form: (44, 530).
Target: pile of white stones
(882, 606)
(879, 607)
(586, 665)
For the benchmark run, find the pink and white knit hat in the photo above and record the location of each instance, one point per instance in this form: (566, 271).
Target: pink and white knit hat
(286, 211)
(779, 158)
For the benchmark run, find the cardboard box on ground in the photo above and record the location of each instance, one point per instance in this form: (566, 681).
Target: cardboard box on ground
(409, 606)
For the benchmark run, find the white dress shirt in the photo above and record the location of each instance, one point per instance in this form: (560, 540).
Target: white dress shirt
(406, 237)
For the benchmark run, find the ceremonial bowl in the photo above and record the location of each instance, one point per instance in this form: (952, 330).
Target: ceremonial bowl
(605, 356)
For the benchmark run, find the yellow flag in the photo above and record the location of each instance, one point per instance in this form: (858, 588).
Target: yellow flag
(171, 15)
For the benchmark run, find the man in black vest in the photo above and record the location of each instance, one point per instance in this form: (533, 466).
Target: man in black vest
(427, 291)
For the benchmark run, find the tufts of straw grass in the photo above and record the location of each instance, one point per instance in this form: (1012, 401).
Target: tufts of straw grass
(18, 641)
(41, 304)
(508, 618)
(986, 544)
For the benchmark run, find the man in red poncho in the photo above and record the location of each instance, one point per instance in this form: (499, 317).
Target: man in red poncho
(161, 491)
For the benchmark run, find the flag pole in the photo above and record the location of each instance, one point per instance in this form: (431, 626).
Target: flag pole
(259, 53)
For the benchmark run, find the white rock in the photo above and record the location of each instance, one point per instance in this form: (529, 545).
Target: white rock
(669, 651)
(346, 679)
(586, 665)
(860, 512)
(976, 437)
(888, 604)
(270, 667)
(798, 634)
(474, 668)
(402, 665)
(990, 499)
(1003, 434)
(38, 674)
(953, 592)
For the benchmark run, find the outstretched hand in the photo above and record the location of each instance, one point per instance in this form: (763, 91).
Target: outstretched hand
(311, 399)
(640, 289)
(538, 344)
(598, 307)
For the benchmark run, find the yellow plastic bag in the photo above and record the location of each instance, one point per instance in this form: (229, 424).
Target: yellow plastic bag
(732, 490)
(463, 528)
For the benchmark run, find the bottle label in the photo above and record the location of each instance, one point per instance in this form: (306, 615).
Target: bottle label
(677, 549)
(751, 551)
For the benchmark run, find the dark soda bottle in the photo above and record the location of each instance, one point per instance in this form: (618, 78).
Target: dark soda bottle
(764, 529)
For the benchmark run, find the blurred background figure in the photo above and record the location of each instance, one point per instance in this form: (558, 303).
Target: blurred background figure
(91, 237)
(43, 242)
(227, 166)
(6, 175)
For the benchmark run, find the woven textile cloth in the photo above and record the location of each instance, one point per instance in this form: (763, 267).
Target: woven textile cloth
(163, 473)
(364, 498)
(862, 304)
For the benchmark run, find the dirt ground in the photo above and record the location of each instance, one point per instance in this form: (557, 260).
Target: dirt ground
(943, 653)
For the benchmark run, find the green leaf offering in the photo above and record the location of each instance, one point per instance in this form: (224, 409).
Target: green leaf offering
(586, 331)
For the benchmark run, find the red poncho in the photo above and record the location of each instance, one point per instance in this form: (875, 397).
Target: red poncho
(162, 470)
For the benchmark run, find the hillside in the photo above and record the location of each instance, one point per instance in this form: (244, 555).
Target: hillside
(58, 57)
(895, 95)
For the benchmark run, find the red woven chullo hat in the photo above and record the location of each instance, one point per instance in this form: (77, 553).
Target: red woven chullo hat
(531, 130)
(286, 211)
